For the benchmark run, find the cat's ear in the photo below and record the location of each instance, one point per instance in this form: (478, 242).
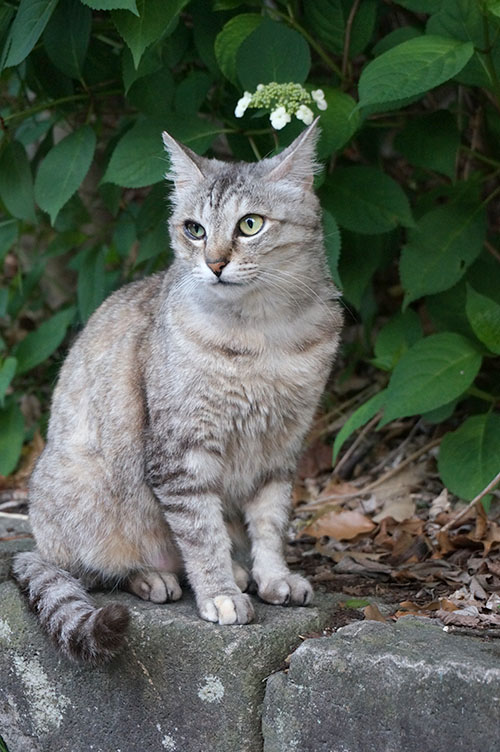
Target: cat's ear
(298, 161)
(185, 165)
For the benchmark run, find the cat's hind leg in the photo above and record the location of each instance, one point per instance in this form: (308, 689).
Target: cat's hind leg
(154, 585)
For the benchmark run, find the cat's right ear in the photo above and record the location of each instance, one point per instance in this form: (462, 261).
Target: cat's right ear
(185, 165)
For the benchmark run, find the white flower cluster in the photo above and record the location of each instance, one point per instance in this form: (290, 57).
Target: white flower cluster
(283, 100)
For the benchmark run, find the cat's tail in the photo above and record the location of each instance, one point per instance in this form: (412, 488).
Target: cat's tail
(80, 630)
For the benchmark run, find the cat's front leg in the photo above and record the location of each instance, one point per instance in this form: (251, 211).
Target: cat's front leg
(267, 518)
(193, 511)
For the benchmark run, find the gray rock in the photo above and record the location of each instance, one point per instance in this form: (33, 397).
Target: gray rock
(373, 687)
(180, 683)
(15, 535)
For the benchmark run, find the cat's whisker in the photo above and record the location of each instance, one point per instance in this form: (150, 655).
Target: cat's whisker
(302, 286)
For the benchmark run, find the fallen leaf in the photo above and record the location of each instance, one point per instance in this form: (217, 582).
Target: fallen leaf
(343, 525)
(440, 504)
(399, 510)
(372, 613)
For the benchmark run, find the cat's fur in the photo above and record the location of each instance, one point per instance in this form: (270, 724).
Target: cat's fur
(180, 411)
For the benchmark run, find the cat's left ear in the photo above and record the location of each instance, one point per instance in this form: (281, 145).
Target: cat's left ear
(185, 165)
(298, 161)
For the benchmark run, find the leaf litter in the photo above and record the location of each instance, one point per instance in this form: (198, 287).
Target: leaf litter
(398, 537)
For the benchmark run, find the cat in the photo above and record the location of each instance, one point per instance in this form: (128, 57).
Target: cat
(181, 409)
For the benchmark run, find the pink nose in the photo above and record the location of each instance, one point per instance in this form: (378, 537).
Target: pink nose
(216, 266)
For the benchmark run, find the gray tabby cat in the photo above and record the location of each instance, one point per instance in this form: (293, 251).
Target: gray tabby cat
(180, 411)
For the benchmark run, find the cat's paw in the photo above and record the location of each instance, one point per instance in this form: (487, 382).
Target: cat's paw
(227, 609)
(291, 589)
(241, 576)
(158, 587)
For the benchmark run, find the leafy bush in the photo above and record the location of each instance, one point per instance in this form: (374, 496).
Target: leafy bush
(410, 145)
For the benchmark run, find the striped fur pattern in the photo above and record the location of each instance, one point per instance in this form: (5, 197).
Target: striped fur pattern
(181, 409)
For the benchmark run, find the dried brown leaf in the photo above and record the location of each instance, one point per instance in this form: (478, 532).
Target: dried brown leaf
(399, 510)
(372, 613)
(343, 525)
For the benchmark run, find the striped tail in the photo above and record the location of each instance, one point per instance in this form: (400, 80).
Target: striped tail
(80, 630)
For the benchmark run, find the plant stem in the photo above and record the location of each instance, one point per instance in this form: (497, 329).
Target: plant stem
(491, 485)
(56, 102)
(481, 394)
(489, 59)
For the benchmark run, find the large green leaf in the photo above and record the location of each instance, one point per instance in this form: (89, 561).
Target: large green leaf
(31, 19)
(444, 243)
(156, 19)
(130, 5)
(484, 317)
(63, 170)
(433, 372)
(91, 282)
(153, 94)
(333, 243)
(469, 458)
(431, 141)
(366, 200)
(395, 337)
(272, 52)
(11, 437)
(327, 19)
(228, 41)
(8, 236)
(338, 122)
(37, 346)
(361, 257)
(412, 68)
(67, 36)
(16, 182)
(139, 158)
(358, 418)
(7, 372)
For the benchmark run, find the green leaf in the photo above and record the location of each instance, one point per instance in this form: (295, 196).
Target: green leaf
(431, 141)
(412, 68)
(11, 437)
(493, 6)
(156, 19)
(91, 282)
(272, 52)
(151, 62)
(444, 243)
(327, 19)
(16, 182)
(333, 243)
(366, 200)
(433, 372)
(37, 346)
(130, 5)
(228, 41)
(153, 94)
(440, 414)
(63, 170)
(67, 36)
(469, 457)
(398, 36)
(394, 339)
(7, 372)
(361, 256)
(484, 317)
(139, 158)
(31, 19)
(358, 418)
(338, 122)
(447, 311)
(192, 92)
(8, 236)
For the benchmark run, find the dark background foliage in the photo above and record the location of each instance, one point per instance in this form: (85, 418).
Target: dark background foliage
(411, 151)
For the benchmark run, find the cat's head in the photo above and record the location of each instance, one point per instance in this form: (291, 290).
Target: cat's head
(237, 225)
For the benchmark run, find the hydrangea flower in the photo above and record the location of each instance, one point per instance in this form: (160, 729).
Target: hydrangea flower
(282, 101)
(279, 118)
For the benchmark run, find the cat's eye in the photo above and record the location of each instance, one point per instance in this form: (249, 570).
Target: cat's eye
(194, 230)
(251, 224)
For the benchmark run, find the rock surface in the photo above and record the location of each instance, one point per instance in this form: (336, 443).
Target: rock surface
(180, 684)
(373, 687)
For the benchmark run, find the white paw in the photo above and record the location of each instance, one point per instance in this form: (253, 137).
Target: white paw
(290, 589)
(226, 609)
(158, 587)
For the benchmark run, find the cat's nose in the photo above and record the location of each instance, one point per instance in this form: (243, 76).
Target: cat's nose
(216, 266)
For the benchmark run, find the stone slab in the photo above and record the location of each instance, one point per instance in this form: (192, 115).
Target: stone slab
(180, 684)
(374, 687)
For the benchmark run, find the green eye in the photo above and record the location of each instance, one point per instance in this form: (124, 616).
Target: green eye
(251, 224)
(194, 230)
